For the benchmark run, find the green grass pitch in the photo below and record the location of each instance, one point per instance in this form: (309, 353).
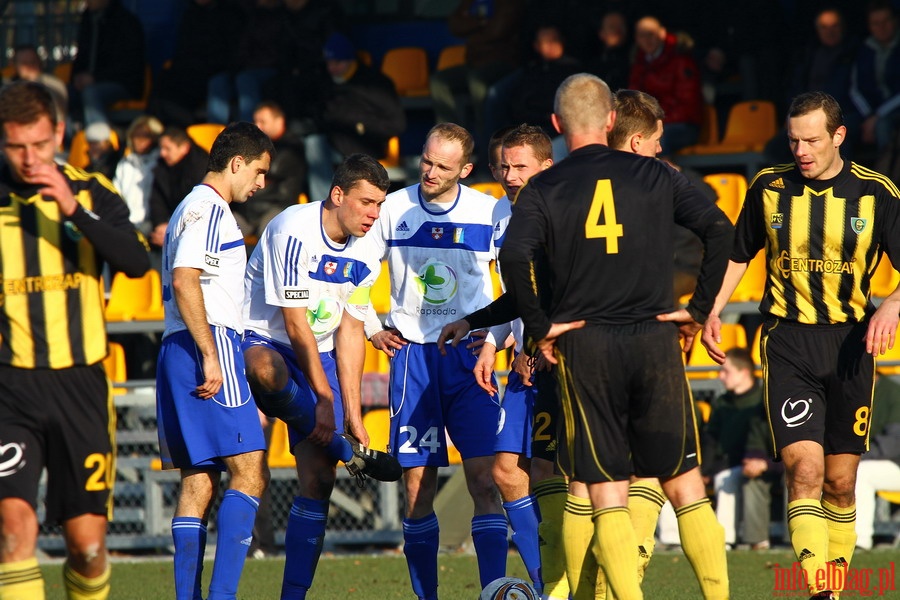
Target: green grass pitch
(383, 577)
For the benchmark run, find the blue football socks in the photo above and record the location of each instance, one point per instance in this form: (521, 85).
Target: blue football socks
(524, 518)
(421, 540)
(489, 534)
(189, 536)
(234, 523)
(303, 545)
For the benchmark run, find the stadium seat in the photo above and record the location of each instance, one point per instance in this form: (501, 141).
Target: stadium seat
(709, 130)
(365, 57)
(891, 356)
(731, 189)
(381, 291)
(391, 157)
(8, 71)
(755, 352)
(495, 280)
(751, 124)
(138, 298)
(302, 198)
(453, 454)
(377, 422)
(885, 279)
(376, 360)
(78, 148)
(752, 284)
(125, 111)
(279, 455)
(63, 70)
(114, 365)
(451, 56)
(705, 409)
(733, 336)
(408, 69)
(204, 134)
(491, 188)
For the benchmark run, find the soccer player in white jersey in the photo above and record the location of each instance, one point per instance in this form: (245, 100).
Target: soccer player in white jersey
(438, 236)
(307, 287)
(206, 416)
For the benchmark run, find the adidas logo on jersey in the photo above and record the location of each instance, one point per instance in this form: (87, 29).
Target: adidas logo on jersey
(777, 184)
(247, 541)
(402, 227)
(806, 553)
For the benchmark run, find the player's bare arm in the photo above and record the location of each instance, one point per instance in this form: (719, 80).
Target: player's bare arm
(303, 341)
(712, 329)
(882, 329)
(350, 354)
(484, 368)
(189, 298)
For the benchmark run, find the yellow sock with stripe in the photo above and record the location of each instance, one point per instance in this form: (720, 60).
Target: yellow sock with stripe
(79, 587)
(645, 500)
(703, 542)
(21, 580)
(586, 580)
(615, 548)
(841, 534)
(551, 498)
(809, 538)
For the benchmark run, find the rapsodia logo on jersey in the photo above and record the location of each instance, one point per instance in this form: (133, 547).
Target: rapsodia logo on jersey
(437, 282)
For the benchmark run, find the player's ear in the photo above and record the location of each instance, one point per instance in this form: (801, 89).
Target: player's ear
(634, 143)
(467, 168)
(336, 195)
(236, 163)
(840, 134)
(557, 124)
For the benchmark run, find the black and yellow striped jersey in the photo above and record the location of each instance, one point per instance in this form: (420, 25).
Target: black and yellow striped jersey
(822, 238)
(51, 293)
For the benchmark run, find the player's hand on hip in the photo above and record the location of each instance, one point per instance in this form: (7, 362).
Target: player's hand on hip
(712, 337)
(388, 341)
(323, 432)
(484, 368)
(883, 327)
(212, 377)
(452, 332)
(547, 345)
(687, 326)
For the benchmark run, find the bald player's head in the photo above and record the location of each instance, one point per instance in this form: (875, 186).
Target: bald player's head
(583, 106)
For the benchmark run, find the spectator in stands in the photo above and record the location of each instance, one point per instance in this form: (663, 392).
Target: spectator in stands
(255, 63)
(286, 178)
(134, 173)
(181, 166)
(879, 468)
(110, 63)
(204, 47)
(735, 454)
(491, 31)
(526, 95)
(875, 79)
(103, 155)
(666, 72)
(613, 62)
(28, 66)
(361, 112)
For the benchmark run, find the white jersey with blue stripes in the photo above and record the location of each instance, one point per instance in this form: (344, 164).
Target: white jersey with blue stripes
(439, 258)
(295, 264)
(501, 219)
(202, 234)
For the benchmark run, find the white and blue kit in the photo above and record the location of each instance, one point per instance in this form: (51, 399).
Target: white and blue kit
(295, 264)
(193, 432)
(439, 260)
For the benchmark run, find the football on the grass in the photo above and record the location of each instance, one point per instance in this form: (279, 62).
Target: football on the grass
(509, 588)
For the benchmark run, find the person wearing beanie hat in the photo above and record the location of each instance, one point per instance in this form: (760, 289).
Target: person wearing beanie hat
(103, 149)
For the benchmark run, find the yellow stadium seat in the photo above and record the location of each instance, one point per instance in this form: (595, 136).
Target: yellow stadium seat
(279, 455)
(495, 281)
(709, 130)
(408, 69)
(138, 298)
(63, 70)
(892, 497)
(381, 291)
(204, 134)
(376, 360)
(752, 284)
(885, 279)
(302, 198)
(391, 158)
(705, 409)
(733, 336)
(491, 188)
(731, 189)
(755, 352)
(377, 422)
(137, 104)
(78, 148)
(451, 56)
(114, 365)
(892, 355)
(751, 124)
(453, 454)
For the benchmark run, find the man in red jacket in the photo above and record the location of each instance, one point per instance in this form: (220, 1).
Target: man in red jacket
(663, 70)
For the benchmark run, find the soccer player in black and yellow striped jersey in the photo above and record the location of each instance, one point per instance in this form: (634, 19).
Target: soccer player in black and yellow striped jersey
(824, 223)
(59, 225)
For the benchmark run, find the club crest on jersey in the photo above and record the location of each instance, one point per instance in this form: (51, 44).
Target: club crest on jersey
(437, 232)
(348, 268)
(858, 224)
(72, 232)
(776, 220)
(330, 267)
(458, 235)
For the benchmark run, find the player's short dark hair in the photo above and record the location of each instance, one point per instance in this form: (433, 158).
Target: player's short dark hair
(239, 139)
(25, 102)
(636, 112)
(740, 357)
(359, 167)
(452, 132)
(532, 136)
(811, 101)
(879, 5)
(495, 142)
(177, 134)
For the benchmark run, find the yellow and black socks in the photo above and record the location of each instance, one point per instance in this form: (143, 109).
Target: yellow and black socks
(551, 498)
(586, 580)
(614, 547)
(79, 587)
(645, 500)
(703, 542)
(21, 580)
(841, 537)
(809, 538)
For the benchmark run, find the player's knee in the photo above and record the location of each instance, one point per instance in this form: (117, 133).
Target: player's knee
(482, 488)
(805, 477)
(265, 370)
(841, 487)
(18, 529)
(87, 556)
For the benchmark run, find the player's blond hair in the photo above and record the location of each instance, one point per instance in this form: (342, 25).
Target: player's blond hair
(583, 103)
(451, 132)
